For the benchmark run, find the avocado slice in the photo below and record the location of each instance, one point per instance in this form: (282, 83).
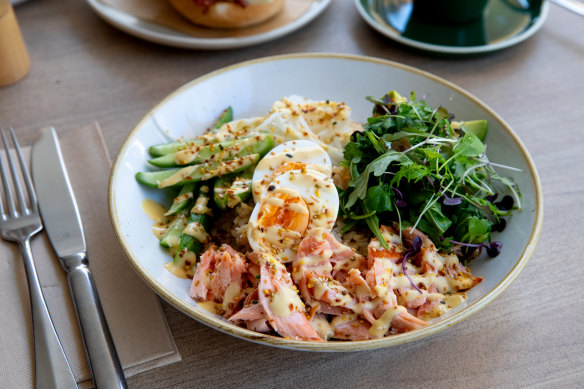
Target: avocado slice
(153, 178)
(206, 171)
(477, 127)
(195, 173)
(395, 98)
(258, 144)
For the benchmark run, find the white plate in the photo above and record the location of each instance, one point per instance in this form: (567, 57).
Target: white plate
(250, 88)
(166, 36)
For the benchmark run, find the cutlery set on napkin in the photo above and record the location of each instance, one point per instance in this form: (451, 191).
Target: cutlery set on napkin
(61, 220)
(63, 225)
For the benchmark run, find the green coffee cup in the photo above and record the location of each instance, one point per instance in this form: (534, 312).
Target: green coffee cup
(449, 11)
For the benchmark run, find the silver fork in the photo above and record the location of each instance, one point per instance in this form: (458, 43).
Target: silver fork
(19, 221)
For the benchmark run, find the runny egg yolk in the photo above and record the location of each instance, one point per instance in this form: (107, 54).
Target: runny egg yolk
(285, 209)
(286, 167)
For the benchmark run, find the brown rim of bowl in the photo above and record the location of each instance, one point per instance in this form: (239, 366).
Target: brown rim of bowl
(276, 341)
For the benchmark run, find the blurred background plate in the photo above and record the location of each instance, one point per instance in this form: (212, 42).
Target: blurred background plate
(504, 23)
(167, 36)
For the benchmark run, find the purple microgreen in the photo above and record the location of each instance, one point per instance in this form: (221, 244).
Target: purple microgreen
(466, 244)
(406, 273)
(430, 181)
(505, 204)
(399, 201)
(499, 226)
(492, 198)
(493, 248)
(452, 200)
(354, 136)
(416, 246)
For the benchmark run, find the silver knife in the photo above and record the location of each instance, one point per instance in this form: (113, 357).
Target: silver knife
(62, 223)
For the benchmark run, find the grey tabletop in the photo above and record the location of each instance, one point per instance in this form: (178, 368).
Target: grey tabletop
(84, 70)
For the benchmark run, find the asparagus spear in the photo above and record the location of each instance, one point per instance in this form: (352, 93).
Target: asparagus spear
(182, 199)
(194, 235)
(225, 117)
(231, 190)
(172, 236)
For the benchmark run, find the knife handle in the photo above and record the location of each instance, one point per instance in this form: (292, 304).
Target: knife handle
(52, 369)
(103, 359)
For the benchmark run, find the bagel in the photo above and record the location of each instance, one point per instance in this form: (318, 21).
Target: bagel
(227, 13)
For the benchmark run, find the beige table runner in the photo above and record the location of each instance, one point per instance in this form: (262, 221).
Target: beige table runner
(136, 320)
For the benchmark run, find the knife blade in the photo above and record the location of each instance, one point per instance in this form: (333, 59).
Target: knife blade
(63, 225)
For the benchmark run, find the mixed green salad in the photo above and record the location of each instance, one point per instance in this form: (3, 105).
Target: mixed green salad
(415, 167)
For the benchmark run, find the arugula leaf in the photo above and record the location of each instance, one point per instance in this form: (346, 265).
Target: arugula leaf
(406, 133)
(473, 230)
(379, 198)
(438, 220)
(380, 125)
(373, 223)
(352, 152)
(377, 145)
(377, 167)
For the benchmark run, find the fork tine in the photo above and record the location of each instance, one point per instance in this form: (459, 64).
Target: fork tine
(15, 180)
(25, 173)
(5, 183)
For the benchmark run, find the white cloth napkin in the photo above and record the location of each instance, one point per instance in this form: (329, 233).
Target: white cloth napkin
(137, 323)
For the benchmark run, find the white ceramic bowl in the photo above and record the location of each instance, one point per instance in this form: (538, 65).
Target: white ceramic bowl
(251, 88)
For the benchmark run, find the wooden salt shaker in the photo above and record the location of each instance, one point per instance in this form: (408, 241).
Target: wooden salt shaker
(14, 60)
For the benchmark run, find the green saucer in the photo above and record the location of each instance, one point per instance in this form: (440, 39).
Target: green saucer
(503, 24)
